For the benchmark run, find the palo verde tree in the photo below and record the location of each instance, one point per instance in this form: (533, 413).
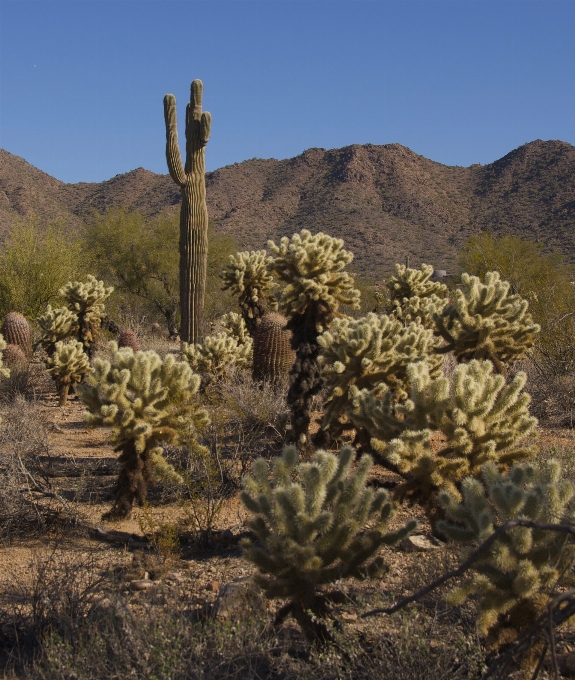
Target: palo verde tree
(311, 267)
(316, 523)
(194, 212)
(146, 401)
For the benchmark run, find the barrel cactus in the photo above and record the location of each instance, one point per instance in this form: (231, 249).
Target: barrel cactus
(273, 354)
(14, 356)
(68, 365)
(128, 338)
(16, 331)
(194, 212)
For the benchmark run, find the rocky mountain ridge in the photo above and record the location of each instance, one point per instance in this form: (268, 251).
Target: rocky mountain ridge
(385, 201)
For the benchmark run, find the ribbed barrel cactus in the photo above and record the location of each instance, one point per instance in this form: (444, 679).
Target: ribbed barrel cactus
(312, 269)
(14, 356)
(486, 322)
(518, 575)
(448, 428)
(128, 338)
(146, 401)
(16, 331)
(247, 276)
(217, 354)
(86, 299)
(68, 365)
(315, 522)
(273, 353)
(191, 178)
(56, 325)
(367, 352)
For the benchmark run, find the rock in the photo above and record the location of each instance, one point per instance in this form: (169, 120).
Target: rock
(110, 609)
(417, 543)
(175, 576)
(238, 600)
(347, 616)
(141, 584)
(213, 586)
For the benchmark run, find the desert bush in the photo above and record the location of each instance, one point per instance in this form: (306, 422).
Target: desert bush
(316, 523)
(29, 505)
(35, 262)
(54, 596)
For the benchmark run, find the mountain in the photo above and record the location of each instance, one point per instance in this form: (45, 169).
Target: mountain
(385, 201)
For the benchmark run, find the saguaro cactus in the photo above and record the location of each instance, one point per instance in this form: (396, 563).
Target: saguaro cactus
(194, 212)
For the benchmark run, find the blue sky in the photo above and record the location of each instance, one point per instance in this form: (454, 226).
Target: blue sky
(457, 81)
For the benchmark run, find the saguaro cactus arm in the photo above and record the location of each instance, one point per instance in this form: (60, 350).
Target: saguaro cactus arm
(175, 165)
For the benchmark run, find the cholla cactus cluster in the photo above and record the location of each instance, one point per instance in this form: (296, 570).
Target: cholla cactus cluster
(4, 370)
(316, 522)
(312, 269)
(248, 276)
(413, 296)
(86, 300)
(68, 365)
(448, 428)
(146, 401)
(235, 326)
(367, 353)
(486, 322)
(56, 325)
(217, 354)
(518, 575)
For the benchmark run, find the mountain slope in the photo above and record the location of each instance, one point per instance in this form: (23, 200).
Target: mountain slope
(385, 201)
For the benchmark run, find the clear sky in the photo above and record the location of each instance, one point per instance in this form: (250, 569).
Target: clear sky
(457, 81)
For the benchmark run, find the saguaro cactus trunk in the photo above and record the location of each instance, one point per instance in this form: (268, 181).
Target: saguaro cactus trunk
(194, 212)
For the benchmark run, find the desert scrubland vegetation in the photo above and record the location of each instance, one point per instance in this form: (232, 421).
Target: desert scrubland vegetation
(219, 463)
(262, 502)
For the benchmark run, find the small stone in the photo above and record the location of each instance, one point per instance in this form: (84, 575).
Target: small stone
(213, 586)
(239, 599)
(347, 616)
(418, 543)
(175, 576)
(146, 576)
(141, 584)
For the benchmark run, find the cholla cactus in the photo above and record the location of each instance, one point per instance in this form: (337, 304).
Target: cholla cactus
(409, 283)
(86, 300)
(68, 365)
(316, 522)
(414, 297)
(312, 267)
(146, 401)
(56, 324)
(518, 574)
(3, 369)
(368, 352)
(235, 326)
(217, 354)
(448, 429)
(247, 276)
(486, 322)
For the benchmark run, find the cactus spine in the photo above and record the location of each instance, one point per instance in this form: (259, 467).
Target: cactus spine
(16, 331)
(194, 212)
